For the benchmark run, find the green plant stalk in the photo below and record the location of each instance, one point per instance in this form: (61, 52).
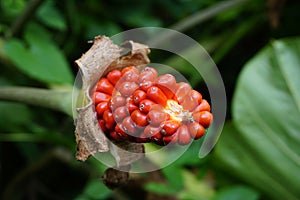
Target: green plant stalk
(53, 99)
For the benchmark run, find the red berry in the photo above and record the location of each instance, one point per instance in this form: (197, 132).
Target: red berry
(157, 136)
(101, 97)
(109, 119)
(167, 83)
(138, 96)
(149, 131)
(131, 106)
(196, 95)
(146, 85)
(120, 131)
(130, 74)
(171, 139)
(147, 74)
(155, 94)
(204, 118)
(115, 135)
(184, 137)
(156, 117)
(120, 113)
(117, 101)
(204, 106)
(139, 118)
(128, 69)
(158, 139)
(104, 86)
(101, 107)
(114, 76)
(129, 126)
(127, 88)
(182, 90)
(169, 127)
(145, 105)
(196, 130)
(191, 100)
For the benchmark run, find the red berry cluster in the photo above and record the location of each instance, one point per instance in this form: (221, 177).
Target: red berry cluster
(141, 106)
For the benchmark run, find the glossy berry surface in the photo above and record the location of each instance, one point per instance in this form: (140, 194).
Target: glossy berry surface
(141, 106)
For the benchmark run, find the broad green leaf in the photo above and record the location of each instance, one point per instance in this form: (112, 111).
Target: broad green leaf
(234, 154)
(42, 60)
(236, 193)
(266, 110)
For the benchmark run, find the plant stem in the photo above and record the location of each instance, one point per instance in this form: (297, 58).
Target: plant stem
(206, 14)
(197, 18)
(53, 99)
(20, 22)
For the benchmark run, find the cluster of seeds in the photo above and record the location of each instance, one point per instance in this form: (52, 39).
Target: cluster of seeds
(140, 106)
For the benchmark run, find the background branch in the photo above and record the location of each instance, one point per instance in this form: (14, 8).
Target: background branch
(197, 18)
(20, 22)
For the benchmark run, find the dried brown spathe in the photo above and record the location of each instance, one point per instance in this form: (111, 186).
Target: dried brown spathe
(102, 57)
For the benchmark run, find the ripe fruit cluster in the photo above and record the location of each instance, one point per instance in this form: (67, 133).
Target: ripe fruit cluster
(141, 106)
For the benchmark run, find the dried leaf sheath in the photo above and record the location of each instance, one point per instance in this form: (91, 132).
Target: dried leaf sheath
(102, 57)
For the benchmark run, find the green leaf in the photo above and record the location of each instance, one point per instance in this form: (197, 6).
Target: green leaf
(236, 193)
(266, 110)
(48, 14)
(43, 60)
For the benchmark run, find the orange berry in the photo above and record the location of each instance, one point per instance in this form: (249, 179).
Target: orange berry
(101, 107)
(104, 86)
(196, 130)
(184, 137)
(204, 118)
(101, 97)
(169, 127)
(114, 76)
(156, 95)
(182, 90)
(138, 96)
(139, 118)
(167, 83)
(147, 74)
(145, 105)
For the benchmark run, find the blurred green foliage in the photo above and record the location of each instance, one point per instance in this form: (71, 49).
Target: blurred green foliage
(257, 156)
